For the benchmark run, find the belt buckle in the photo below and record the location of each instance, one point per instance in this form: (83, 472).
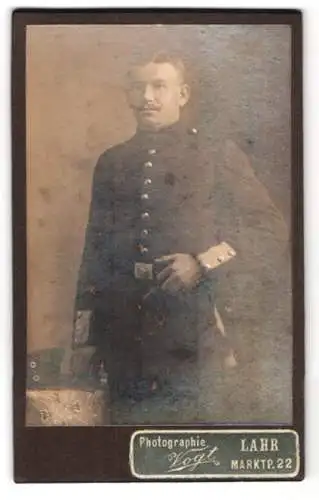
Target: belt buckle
(143, 271)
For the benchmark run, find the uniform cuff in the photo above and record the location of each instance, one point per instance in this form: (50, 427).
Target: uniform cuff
(82, 327)
(216, 256)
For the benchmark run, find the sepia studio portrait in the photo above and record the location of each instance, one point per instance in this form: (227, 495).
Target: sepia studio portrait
(158, 224)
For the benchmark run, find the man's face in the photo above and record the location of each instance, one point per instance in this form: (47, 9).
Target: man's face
(156, 93)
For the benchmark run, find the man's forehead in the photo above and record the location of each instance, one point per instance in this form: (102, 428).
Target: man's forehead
(155, 71)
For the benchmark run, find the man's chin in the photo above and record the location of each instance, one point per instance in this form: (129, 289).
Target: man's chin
(148, 122)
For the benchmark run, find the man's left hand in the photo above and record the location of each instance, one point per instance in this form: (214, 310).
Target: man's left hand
(181, 272)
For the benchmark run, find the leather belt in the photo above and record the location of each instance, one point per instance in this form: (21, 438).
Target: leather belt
(143, 271)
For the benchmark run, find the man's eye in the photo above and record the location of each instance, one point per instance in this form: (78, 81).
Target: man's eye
(137, 86)
(159, 85)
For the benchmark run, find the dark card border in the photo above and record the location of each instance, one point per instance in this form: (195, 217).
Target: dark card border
(99, 454)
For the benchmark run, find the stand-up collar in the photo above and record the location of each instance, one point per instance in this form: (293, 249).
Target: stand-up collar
(163, 137)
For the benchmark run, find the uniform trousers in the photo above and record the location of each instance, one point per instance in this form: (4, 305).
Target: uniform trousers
(151, 353)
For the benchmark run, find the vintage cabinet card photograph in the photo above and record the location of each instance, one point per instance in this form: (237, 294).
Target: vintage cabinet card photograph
(158, 245)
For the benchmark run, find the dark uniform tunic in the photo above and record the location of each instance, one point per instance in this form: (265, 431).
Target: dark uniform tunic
(162, 193)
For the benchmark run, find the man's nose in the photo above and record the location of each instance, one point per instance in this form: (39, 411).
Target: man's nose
(148, 93)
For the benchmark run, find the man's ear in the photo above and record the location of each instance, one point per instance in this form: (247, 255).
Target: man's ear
(184, 94)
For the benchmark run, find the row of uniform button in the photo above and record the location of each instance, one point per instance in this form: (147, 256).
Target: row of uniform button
(145, 216)
(145, 196)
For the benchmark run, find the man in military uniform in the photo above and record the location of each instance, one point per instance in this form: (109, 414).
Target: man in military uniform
(179, 227)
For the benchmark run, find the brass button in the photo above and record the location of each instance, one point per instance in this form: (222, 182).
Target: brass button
(36, 378)
(148, 164)
(208, 266)
(144, 196)
(144, 233)
(33, 364)
(152, 152)
(145, 216)
(147, 182)
(144, 250)
(194, 131)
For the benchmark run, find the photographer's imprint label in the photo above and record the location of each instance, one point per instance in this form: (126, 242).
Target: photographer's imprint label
(206, 454)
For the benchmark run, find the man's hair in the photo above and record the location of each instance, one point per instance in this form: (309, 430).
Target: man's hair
(163, 57)
(175, 61)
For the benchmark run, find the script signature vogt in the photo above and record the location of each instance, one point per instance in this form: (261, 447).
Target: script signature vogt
(192, 458)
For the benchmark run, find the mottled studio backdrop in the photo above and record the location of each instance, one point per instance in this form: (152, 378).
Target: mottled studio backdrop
(76, 108)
